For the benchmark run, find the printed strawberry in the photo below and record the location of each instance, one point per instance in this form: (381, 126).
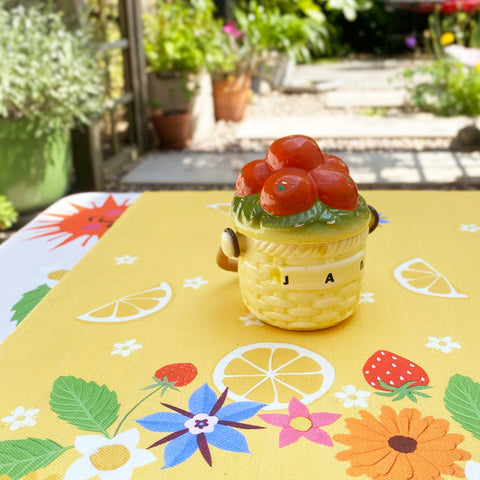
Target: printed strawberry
(395, 376)
(173, 376)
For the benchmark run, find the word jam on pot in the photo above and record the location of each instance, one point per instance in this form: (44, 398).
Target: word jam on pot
(323, 275)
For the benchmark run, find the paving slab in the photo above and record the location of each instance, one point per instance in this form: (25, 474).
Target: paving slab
(328, 125)
(359, 98)
(367, 168)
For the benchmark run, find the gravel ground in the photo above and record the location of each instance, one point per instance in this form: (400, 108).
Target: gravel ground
(286, 105)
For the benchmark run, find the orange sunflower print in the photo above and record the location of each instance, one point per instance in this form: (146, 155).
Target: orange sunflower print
(404, 446)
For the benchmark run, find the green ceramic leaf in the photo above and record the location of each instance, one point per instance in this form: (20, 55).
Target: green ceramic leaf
(88, 406)
(462, 399)
(20, 457)
(28, 302)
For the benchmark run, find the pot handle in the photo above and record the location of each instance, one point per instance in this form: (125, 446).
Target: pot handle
(229, 251)
(374, 219)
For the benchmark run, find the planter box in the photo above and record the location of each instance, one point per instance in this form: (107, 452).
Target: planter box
(35, 172)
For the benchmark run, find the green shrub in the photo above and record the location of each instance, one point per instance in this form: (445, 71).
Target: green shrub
(49, 74)
(8, 215)
(444, 87)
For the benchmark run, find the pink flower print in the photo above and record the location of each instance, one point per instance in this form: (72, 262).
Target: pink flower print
(301, 423)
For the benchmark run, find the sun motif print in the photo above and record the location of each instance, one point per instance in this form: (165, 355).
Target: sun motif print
(89, 222)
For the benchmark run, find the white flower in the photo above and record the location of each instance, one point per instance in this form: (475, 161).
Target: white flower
(21, 418)
(469, 228)
(444, 344)
(251, 319)
(367, 297)
(201, 423)
(351, 397)
(126, 259)
(195, 283)
(108, 458)
(472, 470)
(125, 349)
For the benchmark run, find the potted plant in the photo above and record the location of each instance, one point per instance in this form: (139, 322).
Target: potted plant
(176, 38)
(231, 67)
(280, 39)
(50, 82)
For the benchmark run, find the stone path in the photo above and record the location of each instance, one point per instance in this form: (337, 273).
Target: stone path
(373, 84)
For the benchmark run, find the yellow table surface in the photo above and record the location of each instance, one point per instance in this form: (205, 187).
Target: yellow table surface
(73, 402)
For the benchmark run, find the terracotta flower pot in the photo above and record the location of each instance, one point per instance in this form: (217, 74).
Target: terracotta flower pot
(173, 128)
(231, 97)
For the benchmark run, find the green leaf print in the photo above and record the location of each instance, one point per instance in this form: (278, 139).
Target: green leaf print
(88, 406)
(462, 399)
(20, 457)
(28, 302)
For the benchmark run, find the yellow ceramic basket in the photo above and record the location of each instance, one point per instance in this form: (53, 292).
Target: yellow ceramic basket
(298, 286)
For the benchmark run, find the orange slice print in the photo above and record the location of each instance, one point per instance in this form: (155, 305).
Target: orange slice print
(131, 307)
(418, 276)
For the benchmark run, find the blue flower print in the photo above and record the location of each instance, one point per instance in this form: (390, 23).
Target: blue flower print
(381, 219)
(208, 422)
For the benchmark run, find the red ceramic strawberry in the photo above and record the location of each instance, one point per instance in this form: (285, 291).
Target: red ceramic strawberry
(395, 376)
(252, 177)
(173, 376)
(294, 151)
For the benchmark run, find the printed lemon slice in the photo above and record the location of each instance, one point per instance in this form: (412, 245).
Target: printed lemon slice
(273, 373)
(131, 307)
(420, 277)
(220, 207)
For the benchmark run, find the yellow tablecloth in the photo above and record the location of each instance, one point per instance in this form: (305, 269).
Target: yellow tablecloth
(144, 363)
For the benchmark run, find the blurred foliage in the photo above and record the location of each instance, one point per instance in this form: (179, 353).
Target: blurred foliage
(8, 215)
(444, 87)
(283, 31)
(178, 36)
(465, 27)
(49, 72)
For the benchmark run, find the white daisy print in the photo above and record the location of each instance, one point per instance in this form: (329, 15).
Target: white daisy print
(195, 283)
(21, 418)
(351, 397)
(251, 319)
(469, 228)
(125, 260)
(108, 458)
(444, 344)
(126, 348)
(367, 297)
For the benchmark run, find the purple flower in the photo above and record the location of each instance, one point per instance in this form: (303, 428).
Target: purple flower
(410, 42)
(231, 29)
(208, 422)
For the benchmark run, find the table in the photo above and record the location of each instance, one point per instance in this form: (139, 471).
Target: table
(142, 362)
